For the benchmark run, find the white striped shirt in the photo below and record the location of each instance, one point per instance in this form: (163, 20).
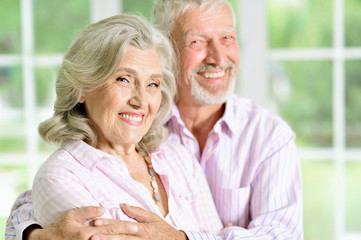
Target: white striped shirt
(252, 167)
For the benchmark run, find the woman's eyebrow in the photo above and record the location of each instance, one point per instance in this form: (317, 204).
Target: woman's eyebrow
(130, 70)
(134, 72)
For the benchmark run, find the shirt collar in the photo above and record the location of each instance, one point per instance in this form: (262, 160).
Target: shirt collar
(227, 122)
(85, 154)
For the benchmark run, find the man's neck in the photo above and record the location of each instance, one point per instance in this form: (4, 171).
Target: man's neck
(200, 119)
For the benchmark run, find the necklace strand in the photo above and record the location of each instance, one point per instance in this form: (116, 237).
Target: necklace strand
(153, 182)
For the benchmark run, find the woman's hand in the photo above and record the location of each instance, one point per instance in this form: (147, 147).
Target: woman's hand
(150, 227)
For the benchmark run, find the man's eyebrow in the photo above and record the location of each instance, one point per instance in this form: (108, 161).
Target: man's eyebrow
(132, 71)
(204, 35)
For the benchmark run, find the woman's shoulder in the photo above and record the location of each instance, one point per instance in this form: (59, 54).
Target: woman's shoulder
(60, 163)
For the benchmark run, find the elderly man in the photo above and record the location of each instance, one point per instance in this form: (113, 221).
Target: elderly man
(247, 153)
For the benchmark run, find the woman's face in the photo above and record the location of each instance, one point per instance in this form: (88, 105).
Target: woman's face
(124, 108)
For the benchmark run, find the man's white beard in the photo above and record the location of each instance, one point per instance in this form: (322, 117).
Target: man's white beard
(202, 96)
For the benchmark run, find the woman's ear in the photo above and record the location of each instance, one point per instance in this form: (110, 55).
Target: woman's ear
(82, 99)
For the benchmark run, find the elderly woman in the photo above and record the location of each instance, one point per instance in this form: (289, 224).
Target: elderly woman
(114, 93)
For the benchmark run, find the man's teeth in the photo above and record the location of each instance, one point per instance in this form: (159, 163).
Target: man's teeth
(132, 118)
(213, 75)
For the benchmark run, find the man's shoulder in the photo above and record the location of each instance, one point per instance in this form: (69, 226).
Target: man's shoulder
(254, 114)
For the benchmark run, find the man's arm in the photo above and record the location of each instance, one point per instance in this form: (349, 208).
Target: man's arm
(22, 224)
(70, 226)
(21, 217)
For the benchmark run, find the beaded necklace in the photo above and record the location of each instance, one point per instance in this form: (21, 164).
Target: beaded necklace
(153, 182)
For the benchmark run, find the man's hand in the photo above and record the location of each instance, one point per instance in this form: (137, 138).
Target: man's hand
(70, 226)
(150, 227)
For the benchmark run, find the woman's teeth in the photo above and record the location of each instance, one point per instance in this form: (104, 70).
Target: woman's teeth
(132, 118)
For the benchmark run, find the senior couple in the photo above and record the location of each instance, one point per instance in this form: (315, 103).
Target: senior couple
(133, 165)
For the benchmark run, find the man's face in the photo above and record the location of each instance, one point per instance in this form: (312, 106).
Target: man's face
(209, 55)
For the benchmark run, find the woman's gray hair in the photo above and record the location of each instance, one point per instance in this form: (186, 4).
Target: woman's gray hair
(166, 12)
(92, 58)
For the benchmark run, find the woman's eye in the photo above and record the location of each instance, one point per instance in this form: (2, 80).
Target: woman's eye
(121, 79)
(154, 85)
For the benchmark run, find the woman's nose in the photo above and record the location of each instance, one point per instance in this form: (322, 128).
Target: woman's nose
(138, 98)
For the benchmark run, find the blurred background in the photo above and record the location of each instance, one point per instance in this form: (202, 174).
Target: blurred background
(301, 58)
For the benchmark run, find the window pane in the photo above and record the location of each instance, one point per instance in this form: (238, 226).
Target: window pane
(302, 94)
(353, 197)
(353, 22)
(319, 200)
(11, 112)
(10, 26)
(353, 103)
(56, 23)
(11, 87)
(142, 8)
(12, 183)
(300, 23)
(45, 86)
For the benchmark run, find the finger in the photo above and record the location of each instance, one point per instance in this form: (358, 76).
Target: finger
(85, 213)
(114, 237)
(115, 227)
(103, 221)
(138, 213)
(229, 225)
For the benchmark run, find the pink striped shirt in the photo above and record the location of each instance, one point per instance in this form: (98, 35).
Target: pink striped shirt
(79, 175)
(252, 167)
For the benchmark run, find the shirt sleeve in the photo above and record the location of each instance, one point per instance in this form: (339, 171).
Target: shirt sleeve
(21, 217)
(53, 196)
(276, 203)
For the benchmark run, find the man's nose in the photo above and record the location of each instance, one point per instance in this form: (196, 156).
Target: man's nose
(215, 54)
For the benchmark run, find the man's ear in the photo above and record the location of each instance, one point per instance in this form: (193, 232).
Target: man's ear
(82, 99)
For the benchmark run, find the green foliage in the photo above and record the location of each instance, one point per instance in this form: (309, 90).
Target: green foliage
(353, 23)
(142, 8)
(353, 103)
(3, 225)
(15, 145)
(318, 199)
(56, 22)
(11, 87)
(353, 197)
(10, 40)
(45, 86)
(307, 107)
(300, 23)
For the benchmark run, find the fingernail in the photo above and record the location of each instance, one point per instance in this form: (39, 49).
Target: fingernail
(101, 209)
(98, 222)
(126, 205)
